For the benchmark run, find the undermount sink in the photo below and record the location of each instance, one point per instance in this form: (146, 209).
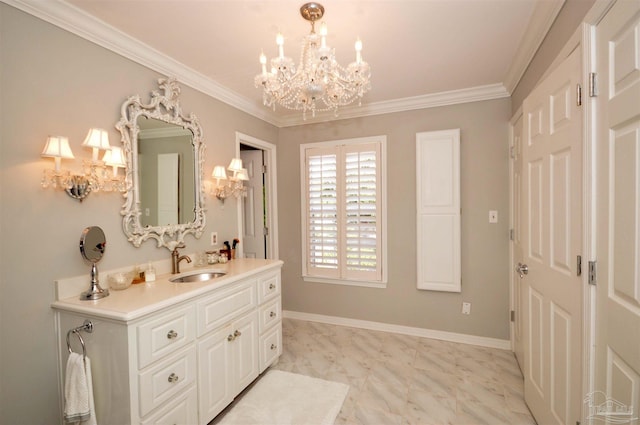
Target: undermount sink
(198, 277)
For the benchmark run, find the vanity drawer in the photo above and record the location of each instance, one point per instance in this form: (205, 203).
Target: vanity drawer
(270, 347)
(269, 315)
(162, 382)
(161, 336)
(223, 307)
(183, 409)
(268, 286)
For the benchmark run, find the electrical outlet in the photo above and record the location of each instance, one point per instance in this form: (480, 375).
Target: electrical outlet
(466, 308)
(214, 238)
(493, 216)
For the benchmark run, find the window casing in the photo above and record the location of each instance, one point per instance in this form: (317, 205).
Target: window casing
(343, 211)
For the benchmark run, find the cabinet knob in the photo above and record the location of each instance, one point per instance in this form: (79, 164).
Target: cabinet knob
(173, 378)
(234, 335)
(273, 346)
(272, 286)
(172, 334)
(272, 314)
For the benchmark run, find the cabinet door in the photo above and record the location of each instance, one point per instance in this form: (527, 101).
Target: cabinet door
(270, 347)
(215, 364)
(182, 410)
(245, 350)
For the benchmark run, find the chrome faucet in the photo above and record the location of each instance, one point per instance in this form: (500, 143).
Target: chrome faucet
(176, 258)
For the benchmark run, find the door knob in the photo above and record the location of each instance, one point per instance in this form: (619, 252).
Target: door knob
(522, 269)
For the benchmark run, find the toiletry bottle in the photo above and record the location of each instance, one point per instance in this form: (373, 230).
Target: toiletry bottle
(150, 273)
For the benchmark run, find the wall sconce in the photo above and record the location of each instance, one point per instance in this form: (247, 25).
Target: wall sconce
(234, 185)
(95, 175)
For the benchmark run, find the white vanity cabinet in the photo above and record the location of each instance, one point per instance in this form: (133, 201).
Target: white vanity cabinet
(185, 361)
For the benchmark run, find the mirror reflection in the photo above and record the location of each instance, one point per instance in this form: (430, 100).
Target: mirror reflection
(166, 173)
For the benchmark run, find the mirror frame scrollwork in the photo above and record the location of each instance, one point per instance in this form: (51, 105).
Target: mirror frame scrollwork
(163, 107)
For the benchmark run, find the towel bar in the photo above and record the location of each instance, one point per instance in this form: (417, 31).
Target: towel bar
(86, 326)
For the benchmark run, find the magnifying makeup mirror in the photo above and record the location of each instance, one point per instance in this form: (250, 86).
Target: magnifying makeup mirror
(92, 246)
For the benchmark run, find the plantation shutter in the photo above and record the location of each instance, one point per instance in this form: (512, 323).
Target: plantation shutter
(343, 212)
(322, 212)
(361, 249)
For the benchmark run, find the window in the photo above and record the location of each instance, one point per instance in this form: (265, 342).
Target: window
(343, 211)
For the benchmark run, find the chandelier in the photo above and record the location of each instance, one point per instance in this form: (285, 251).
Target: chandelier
(319, 83)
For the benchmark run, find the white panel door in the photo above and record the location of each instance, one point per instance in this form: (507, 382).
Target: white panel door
(551, 239)
(438, 215)
(617, 385)
(168, 172)
(517, 295)
(253, 208)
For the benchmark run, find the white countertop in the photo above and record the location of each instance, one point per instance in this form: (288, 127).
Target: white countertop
(144, 298)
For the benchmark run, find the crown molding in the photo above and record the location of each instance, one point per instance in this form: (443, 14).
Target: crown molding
(453, 97)
(86, 26)
(543, 16)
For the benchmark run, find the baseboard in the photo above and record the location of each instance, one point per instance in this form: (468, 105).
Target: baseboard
(503, 344)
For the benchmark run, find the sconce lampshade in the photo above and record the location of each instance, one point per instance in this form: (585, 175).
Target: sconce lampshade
(114, 157)
(235, 165)
(57, 147)
(219, 173)
(97, 138)
(242, 174)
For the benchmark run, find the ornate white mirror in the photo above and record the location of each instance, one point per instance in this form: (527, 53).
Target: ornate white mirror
(164, 154)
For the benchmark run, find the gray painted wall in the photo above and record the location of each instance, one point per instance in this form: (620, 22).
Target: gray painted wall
(484, 186)
(52, 82)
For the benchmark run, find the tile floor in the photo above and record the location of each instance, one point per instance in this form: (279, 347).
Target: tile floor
(400, 379)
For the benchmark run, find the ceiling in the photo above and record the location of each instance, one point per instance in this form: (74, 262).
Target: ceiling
(421, 53)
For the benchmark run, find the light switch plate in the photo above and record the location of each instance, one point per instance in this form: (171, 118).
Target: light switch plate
(493, 216)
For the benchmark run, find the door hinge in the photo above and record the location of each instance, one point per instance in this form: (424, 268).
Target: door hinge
(264, 169)
(593, 84)
(511, 233)
(579, 266)
(265, 231)
(513, 315)
(578, 95)
(592, 273)
(512, 152)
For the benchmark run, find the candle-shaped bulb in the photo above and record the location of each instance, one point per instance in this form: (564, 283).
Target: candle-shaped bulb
(263, 62)
(358, 51)
(280, 43)
(323, 34)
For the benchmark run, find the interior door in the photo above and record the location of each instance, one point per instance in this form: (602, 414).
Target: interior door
(253, 242)
(517, 281)
(551, 240)
(617, 354)
(168, 173)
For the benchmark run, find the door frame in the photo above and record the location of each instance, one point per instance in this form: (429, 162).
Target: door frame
(512, 210)
(269, 150)
(584, 39)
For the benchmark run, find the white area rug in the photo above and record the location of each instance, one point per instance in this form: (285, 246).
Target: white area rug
(284, 398)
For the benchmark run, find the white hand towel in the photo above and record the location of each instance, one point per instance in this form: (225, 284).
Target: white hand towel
(78, 391)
